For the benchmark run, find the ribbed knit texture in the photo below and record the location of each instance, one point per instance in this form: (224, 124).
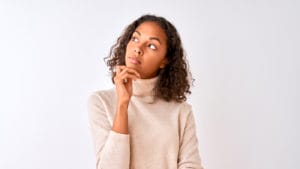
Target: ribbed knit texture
(162, 135)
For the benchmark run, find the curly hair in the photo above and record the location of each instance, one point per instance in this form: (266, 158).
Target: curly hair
(175, 79)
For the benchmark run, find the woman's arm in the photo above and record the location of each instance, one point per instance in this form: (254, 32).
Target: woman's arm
(112, 142)
(123, 83)
(112, 149)
(188, 153)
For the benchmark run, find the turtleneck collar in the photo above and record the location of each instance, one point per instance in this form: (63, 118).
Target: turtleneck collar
(143, 89)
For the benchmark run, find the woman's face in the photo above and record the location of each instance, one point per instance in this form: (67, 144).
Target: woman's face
(146, 51)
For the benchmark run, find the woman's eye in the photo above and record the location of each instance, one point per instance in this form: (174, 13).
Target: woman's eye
(151, 46)
(134, 39)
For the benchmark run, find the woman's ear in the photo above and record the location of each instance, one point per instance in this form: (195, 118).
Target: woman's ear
(163, 63)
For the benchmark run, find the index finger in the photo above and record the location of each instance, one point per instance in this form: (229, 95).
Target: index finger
(130, 70)
(118, 69)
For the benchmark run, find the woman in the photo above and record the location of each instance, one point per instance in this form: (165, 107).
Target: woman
(144, 122)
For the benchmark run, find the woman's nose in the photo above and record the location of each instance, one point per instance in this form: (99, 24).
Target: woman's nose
(138, 51)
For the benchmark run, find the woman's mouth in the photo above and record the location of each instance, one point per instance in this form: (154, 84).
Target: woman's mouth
(134, 60)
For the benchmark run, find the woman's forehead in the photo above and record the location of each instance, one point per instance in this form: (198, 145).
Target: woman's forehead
(151, 29)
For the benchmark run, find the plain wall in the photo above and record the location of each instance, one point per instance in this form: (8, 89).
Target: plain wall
(243, 54)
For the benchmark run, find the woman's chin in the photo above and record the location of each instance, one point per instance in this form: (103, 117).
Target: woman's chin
(131, 65)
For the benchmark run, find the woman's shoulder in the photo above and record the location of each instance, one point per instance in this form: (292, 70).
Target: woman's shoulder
(103, 93)
(102, 96)
(182, 108)
(185, 109)
(183, 105)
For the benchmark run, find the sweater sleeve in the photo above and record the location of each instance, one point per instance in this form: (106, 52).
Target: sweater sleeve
(188, 152)
(112, 149)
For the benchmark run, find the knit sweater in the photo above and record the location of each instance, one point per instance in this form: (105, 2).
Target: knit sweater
(162, 135)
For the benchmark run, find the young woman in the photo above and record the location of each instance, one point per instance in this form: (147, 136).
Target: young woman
(144, 122)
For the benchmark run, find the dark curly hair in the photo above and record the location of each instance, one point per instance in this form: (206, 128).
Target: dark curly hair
(175, 78)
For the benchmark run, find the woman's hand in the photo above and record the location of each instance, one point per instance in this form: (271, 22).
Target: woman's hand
(123, 82)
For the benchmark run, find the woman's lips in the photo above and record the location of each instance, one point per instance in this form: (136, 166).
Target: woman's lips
(134, 60)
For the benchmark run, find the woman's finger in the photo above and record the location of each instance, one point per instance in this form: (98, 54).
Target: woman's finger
(128, 76)
(118, 69)
(124, 76)
(131, 70)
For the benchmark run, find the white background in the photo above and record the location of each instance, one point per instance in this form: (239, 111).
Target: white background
(243, 54)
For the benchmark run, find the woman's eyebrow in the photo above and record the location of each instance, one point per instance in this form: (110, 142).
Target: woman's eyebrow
(151, 38)
(154, 38)
(137, 32)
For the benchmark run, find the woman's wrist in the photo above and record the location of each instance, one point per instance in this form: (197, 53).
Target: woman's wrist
(120, 124)
(122, 106)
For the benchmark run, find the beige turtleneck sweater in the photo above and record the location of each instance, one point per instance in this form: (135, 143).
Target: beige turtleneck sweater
(162, 135)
